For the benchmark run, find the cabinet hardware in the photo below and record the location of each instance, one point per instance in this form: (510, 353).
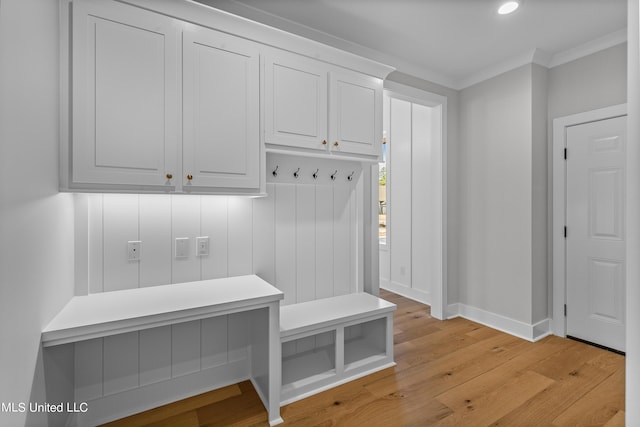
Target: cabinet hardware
(169, 176)
(189, 177)
(324, 142)
(336, 144)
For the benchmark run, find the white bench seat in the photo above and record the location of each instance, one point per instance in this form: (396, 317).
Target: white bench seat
(334, 340)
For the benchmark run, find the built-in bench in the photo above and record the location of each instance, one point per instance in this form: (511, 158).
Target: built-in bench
(330, 341)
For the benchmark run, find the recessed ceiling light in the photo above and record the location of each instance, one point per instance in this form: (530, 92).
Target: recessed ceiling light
(508, 7)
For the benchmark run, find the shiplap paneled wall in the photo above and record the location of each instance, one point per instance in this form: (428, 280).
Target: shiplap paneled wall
(301, 238)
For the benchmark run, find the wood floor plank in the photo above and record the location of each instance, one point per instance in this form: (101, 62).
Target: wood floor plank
(598, 406)
(493, 404)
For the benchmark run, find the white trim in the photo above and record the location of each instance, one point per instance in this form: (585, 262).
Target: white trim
(438, 294)
(589, 48)
(558, 325)
(402, 290)
(530, 332)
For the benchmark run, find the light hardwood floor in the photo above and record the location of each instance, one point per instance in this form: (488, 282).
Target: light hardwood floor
(453, 373)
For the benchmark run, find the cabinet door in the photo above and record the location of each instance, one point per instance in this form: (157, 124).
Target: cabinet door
(124, 101)
(355, 113)
(295, 102)
(221, 110)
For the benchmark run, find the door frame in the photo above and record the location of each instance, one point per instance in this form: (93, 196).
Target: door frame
(438, 293)
(559, 250)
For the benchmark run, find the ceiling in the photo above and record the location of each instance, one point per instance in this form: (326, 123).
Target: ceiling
(451, 42)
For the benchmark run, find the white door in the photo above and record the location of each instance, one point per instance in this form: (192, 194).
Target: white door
(221, 110)
(355, 106)
(596, 232)
(125, 90)
(295, 102)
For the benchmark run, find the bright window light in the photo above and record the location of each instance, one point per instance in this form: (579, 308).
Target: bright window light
(508, 7)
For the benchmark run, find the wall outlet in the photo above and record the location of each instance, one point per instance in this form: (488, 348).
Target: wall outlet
(133, 250)
(202, 246)
(182, 247)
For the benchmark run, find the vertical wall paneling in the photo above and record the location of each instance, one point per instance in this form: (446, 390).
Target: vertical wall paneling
(359, 232)
(342, 240)
(88, 370)
(421, 198)
(305, 243)
(185, 348)
(120, 363)
(324, 241)
(264, 236)
(185, 222)
(155, 355)
(399, 212)
(285, 250)
(120, 225)
(213, 342)
(240, 241)
(96, 246)
(213, 222)
(238, 336)
(155, 235)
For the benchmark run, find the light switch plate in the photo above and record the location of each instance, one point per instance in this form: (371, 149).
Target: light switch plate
(182, 247)
(202, 246)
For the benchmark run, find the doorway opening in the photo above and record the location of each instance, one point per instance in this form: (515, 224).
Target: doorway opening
(412, 202)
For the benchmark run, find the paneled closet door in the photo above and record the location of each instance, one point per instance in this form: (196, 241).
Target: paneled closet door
(221, 145)
(125, 105)
(356, 113)
(295, 101)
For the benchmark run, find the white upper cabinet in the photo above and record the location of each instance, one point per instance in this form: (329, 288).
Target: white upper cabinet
(221, 111)
(355, 113)
(295, 102)
(317, 107)
(125, 96)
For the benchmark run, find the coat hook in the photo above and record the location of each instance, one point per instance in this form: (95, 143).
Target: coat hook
(350, 177)
(333, 175)
(315, 174)
(296, 174)
(275, 171)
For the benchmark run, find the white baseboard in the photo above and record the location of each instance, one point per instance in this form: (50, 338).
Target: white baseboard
(529, 332)
(130, 402)
(414, 294)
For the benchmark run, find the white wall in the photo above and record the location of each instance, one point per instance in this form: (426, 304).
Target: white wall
(496, 203)
(36, 223)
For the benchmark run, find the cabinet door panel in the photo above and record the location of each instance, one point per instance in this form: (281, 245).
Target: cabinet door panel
(296, 102)
(356, 112)
(221, 110)
(124, 95)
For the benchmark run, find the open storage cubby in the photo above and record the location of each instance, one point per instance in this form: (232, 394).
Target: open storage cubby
(308, 360)
(365, 343)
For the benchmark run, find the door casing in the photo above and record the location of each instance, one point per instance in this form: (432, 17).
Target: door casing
(559, 294)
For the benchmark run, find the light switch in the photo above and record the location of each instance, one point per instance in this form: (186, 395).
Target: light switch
(133, 250)
(202, 246)
(182, 247)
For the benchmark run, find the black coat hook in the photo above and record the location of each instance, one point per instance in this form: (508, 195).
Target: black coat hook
(333, 175)
(296, 174)
(275, 171)
(315, 174)
(350, 177)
